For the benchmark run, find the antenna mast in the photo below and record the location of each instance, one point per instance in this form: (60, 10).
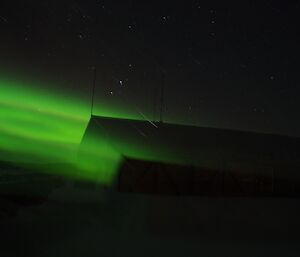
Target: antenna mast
(93, 89)
(162, 97)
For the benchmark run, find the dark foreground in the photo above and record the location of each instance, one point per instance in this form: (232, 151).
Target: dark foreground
(83, 219)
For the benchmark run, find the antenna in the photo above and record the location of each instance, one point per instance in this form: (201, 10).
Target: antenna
(93, 89)
(162, 97)
(155, 91)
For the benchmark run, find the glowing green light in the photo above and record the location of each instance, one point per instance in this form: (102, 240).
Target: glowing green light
(41, 127)
(38, 126)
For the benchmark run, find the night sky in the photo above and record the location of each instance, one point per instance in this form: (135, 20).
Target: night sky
(225, 64)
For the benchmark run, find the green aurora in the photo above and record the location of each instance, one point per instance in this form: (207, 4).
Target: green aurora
(39, 127)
